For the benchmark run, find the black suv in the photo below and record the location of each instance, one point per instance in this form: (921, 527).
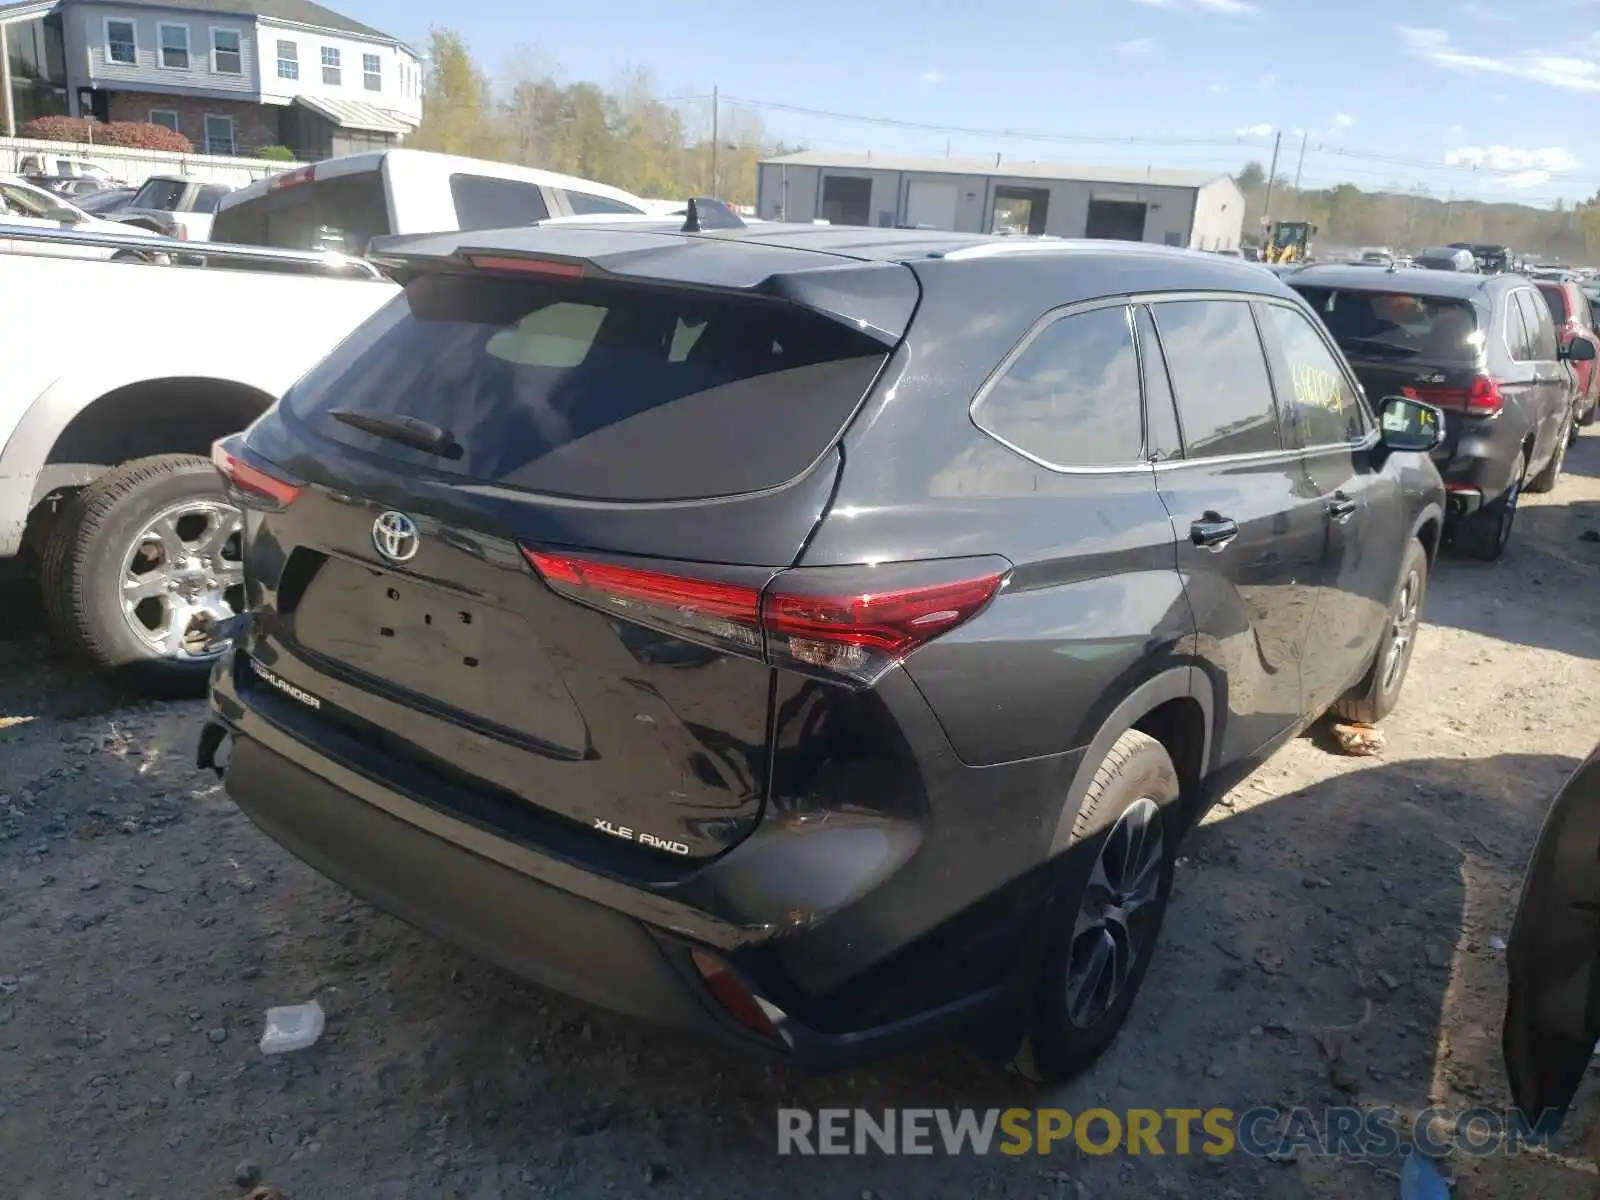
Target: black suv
(816, 636)
(1483, 348)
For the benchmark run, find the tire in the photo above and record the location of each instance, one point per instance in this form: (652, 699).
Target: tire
(1588, 417)
(1485, 534)
(1546, 479)
(1374, 698)
(100, 541)
(130, 256)
(1134, 789)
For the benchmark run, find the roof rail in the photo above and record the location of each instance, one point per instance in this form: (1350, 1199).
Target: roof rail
(1002, 247)
(196, 253)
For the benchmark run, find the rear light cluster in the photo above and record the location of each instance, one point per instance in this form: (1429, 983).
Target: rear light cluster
(1482, 399)
(859, 636)
(251, 483)
(294, 178)
(735, 997)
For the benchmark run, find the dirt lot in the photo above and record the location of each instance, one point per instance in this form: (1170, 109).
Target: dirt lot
(1332, 942)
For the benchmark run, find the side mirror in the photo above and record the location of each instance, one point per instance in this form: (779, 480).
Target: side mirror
(1579, 349)
(1410, 425)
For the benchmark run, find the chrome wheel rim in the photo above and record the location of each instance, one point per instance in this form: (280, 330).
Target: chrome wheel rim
(1508, 512)
(1116, 918)
(1402, 628)
(185, 563)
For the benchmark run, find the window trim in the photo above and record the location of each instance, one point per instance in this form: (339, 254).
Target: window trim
(161, 45)
(367, 76)
(216, 70)
(336, 66)
(170, 112)
(233, 133)
(133, 29)
(294, 60)
(1275, 349)
(1003, 368)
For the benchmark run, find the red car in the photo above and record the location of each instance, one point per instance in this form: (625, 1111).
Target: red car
(1574, 319)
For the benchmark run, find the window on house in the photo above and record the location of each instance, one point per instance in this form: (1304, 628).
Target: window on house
(331, 74)
(219, 134)
(174, 46)
(372, 72)
(226, 58)
(121, 46)
(288, 60)
(165, 117)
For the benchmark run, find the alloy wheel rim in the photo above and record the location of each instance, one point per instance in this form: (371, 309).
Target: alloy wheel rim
(1508, 513)
(1116, 919)
(185, 563)
(1402, 628)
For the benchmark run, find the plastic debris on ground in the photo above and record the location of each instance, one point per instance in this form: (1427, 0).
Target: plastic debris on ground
(1359, 740)
(1497, 943)
(292, 1028)
(1420, 1179)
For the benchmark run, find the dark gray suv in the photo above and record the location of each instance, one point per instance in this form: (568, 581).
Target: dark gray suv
(819, 637)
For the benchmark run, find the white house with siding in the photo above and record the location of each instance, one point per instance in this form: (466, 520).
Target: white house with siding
(233, 76)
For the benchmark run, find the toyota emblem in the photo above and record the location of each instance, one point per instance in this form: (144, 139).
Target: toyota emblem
(394, 535)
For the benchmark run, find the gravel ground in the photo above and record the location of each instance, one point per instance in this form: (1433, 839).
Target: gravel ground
(1332, 942)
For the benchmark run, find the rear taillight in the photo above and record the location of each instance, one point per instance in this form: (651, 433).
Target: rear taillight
(799, 620)
(736, 999)
(549, 268)
(250, 482)
(1481, 399)
(294, 178)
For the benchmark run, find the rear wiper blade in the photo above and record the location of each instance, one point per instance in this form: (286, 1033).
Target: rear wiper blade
(408, 431)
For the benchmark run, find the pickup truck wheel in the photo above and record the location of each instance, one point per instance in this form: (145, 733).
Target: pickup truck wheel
(1485, 534)
(135, 559)
(1371, 700)
(1105, 917)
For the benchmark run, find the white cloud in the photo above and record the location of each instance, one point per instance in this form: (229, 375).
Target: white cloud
(1137, 46)
(1512, 167)
(1344, 120)
(1573, 72)
(1216, 89)
(1482, 12)
(1261, 130)
(1226, 8)
(1456, 130)
(933, 78)
(1526, 179)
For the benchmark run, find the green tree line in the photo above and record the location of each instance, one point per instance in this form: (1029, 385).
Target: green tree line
(626, 135)
(1346, 215)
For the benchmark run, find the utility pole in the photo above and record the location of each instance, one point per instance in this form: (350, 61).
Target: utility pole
(1301, 165)
(1272, 178)
(716, 139)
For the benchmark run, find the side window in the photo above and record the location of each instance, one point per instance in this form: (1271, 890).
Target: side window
(1320, 405)
(1161, 436)
(1518, 341)
(484, 202)
(1541, 329)
(583, 204)
(1219, 372)
(1072, 396)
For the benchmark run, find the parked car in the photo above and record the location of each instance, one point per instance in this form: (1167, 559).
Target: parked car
(343, 203)
(72, 187)
(64, 166)
(1446, 258)
(1484, 348)
(1551, 1028)
(175, 206)
(859, 685)
(108, 202)
(24, 206)
(1569, 305)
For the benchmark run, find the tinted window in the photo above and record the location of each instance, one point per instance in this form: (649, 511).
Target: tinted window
(159, 193)
(1072, 395)
(207, 198)
(1518, 340)
(1397, 326)
(583, 204)
(596, 391)
(483, 202)
(1555, 295)
(339, 213)
(1220, 376)
(1161, 437)
(1318, 401)
(1541, 329)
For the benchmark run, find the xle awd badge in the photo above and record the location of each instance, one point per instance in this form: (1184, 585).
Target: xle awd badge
(643, 839)
(394, 535)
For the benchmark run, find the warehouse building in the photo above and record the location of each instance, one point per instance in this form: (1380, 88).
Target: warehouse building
(1200, 209)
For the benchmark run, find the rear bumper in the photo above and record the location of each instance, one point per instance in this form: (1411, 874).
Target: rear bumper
(540, 917)
(1479, 468)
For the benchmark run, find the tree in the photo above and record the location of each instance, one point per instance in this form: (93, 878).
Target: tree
(457, 111)
(1252, 176)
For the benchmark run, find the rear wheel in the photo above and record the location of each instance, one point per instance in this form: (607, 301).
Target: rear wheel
(137, 558)
(1546, 479)
(1375, 696)
(1106, 915)
(1485, 534)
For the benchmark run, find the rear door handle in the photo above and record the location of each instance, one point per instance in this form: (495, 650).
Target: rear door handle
(1213, 533)
(1341, 508)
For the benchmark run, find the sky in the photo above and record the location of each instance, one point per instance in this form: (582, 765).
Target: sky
(1498, 99)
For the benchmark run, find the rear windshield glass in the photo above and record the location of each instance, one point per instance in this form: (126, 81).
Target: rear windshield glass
(593, 391)
(1398, 326)
(1556, 297)
(159, 193)
(341, 214)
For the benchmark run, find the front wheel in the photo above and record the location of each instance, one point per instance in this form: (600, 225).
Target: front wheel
(1105, 917)
(137, 558)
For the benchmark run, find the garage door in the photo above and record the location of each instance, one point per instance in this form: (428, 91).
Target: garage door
(932, 204)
